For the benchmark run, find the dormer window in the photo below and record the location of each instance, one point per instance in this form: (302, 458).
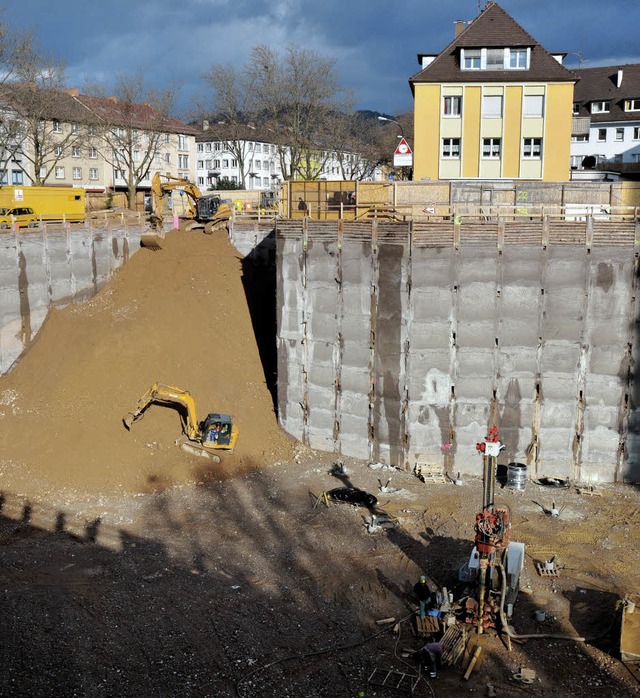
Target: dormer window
(471, 59)
(632, 104)
(518, 58)
(495, 58)
(602, 107)
(576, 108)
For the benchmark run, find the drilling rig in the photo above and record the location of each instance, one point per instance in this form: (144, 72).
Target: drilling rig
(496, 561)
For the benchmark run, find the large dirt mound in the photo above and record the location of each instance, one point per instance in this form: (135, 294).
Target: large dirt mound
(178, 316)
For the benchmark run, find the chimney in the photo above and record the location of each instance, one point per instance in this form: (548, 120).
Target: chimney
(205, 125)
(73, 91)
(619, 80)
(113, 99)
(459, 27)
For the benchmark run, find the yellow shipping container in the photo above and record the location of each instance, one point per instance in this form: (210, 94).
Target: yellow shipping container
(48, 203)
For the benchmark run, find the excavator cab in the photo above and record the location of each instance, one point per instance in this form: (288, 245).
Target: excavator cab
(217, 430)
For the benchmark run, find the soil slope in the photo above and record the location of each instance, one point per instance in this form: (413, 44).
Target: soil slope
(178, 316)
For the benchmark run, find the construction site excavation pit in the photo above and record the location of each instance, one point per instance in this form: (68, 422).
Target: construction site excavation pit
(131, 568)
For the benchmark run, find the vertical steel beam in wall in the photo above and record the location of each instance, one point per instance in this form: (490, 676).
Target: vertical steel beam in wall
(306, 319)
(339, 343)
(373, 448)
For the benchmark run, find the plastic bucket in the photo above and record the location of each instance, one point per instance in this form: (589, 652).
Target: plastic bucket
(516, 476)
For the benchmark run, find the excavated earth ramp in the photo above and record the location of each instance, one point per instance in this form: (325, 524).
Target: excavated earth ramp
(179, 316)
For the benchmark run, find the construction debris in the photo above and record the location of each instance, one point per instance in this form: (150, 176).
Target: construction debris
(429, 473)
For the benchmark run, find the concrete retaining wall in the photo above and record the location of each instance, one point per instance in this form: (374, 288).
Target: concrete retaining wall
(40, 269)
(401, 342)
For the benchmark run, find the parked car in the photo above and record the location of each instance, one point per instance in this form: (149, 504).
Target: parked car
(23, 216)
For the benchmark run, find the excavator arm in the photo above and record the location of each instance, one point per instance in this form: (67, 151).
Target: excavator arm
(161, 184)
(162, 394)
(216, 432)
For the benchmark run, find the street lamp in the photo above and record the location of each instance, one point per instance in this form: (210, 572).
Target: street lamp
(393, 121)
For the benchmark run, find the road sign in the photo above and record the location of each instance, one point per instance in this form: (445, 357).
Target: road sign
(403, 157)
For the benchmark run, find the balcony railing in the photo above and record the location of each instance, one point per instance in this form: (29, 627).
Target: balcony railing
(580, 125)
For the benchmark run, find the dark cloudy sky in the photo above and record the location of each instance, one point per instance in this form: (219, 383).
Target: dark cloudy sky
(374, 42)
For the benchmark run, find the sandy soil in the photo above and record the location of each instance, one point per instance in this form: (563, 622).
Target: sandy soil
(130, 569)
(178, 316)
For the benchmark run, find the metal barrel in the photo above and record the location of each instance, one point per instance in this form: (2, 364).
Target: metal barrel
(516, 476)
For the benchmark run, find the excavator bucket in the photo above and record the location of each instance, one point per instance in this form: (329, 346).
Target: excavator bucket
(151, 241)
(129, 420)
(197, 450)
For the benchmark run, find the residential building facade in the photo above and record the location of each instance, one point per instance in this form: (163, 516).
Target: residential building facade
(606, 118)
(243, 157)
(80, 154)
(494, 104)
(248, 154)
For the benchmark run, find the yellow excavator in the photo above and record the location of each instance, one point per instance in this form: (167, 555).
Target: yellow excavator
(203, 208)
(216, 432)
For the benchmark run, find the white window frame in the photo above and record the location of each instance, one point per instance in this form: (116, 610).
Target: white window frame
(452, 106)
(619, 134)
(451, 148)
(182, 143)
(93, 173)
(576, 109)
(636, 133)
(183, 161)
(531, 148)
(59, 173)
(93, 153)
(57, 126)
(471, 59)
(58, 151)
(602, 106)
(491, 148)
(632, 104)
(518, 53)
(75, 151)
(602, 135)
(492, 106)
(76, 173)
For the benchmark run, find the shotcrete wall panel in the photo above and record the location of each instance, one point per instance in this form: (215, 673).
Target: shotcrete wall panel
(40, 269)
(433, 343)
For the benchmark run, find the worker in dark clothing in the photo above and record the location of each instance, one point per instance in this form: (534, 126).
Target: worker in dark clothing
(431, 658)
(425, 597)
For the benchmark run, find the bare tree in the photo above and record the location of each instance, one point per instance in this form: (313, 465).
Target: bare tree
(297, 92)
(357, 144)
(134, 122)
(236, 107)
(292, 94)
(40, 122)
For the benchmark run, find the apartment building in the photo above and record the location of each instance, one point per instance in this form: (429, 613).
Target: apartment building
(248, 157)
(606, 118)
(80, 136)
(493, 104)
(243, 156)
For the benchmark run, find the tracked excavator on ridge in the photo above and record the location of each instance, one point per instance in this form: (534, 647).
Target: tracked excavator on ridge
(203, 208)
(215, 433)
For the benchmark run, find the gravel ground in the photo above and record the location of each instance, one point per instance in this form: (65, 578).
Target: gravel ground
(241, 587)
